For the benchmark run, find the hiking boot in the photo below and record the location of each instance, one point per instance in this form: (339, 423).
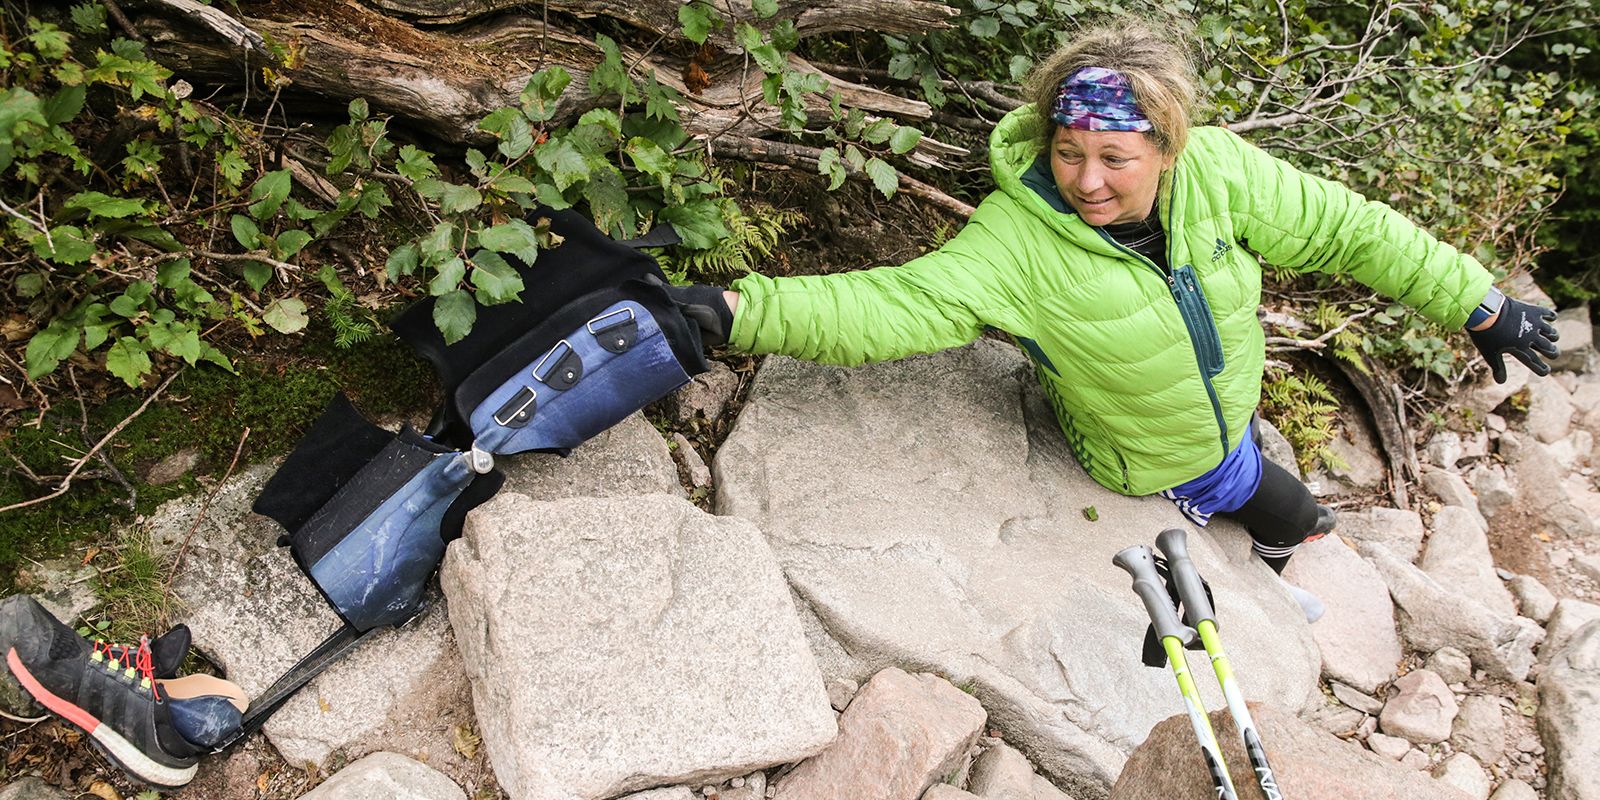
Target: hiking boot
(109, 692)
(167, 651)
(1326, 519)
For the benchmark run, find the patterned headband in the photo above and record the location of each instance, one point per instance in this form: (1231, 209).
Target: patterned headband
(1098, 99)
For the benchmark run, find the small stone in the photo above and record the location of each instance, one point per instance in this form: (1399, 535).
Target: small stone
(1465, 773)
(1480, 729)
(840, 691)
(1588, 566)
(1451, 665)
(1422, 710)
(1367, 727)
(1560, 557)
(1496, 423)
(683, 450)
(1514, 789)
(1355, 698)
(173, 467)
(1392, 747)
(1534, 601)
(1415, 759)
(30, 788)
(708, 791)
(1504, 574)
(736, 783)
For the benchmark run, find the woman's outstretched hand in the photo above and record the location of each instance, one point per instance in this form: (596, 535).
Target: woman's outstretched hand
(708, 308)
(1524, 331)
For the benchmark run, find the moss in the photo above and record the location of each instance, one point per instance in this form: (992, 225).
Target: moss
(276, 395)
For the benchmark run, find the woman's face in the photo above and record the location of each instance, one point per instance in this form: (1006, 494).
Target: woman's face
(1107, 176)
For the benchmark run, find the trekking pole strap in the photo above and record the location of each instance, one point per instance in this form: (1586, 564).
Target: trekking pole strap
(1173, 543)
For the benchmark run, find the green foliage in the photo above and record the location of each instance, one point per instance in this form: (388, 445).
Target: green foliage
(1304, 410)
(753, 234)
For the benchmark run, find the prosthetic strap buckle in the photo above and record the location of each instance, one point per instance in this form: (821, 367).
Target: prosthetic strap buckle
(479, 461)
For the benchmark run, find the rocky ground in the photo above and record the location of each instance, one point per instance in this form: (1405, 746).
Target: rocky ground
(905, 591)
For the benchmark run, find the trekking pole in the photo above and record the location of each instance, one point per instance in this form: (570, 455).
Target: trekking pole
(1138, 562)
(1197, 611)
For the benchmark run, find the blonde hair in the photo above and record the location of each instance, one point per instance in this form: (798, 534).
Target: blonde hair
(1157, 63)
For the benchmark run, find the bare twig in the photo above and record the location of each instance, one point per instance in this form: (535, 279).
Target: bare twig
(77, 466)
(177, 561)
(799, 155)
(24, 720)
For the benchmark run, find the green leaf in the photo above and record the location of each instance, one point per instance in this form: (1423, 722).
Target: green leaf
(698, 20)
(358, 110)
(765, 8)
(128, 360)
(232, 166)
(563, 161)
(541, 93)
(286, 315)
(458, 199)
(454, 314)
(256, 274)
(438, 244)
(660, 101)
(603, 118)
(172, 273)
(878, 131)
(415, 163)
(883, 176)
(649, 158)
(66, 244)
(769, 59)
(100, 204)
(699, 223)
(64, 105)
(186, 345)
(269, 193)
(402, 260)
(497, 282)
(511, 183)
(608, 202)
(985, 27)
(28, 285)
(48, 347)
(610, 76)
(515, 237)
(511, 127)
(448, 278)
(89, 18)
(245, 231)
(902, 66)
(904, 139)
(289, 243)
(784, 36)
(19, 106)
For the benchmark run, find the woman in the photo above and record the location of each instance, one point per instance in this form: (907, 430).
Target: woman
(1121, 249)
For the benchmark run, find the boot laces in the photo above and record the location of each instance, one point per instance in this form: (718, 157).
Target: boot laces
(132, 662)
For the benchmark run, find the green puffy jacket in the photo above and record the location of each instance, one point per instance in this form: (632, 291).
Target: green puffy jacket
(1154, 377)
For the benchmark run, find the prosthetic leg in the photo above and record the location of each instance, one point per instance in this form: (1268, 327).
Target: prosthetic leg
(368, 512)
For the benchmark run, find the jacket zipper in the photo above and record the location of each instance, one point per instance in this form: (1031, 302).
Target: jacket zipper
(1198, 329)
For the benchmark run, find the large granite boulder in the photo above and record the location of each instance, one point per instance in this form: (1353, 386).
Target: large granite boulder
(928, 512)
(1308, 763)
(1357, 634)
(1569, 717)
(616, 644)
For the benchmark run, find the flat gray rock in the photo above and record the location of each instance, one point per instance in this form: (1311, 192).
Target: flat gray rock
(1577, 339)
(1568, 617)
(902, 734)
(31, 788)
(386, 776)
(1422, 711)
(1356, 635)
(1400, 531)
(1464, 773)
(1480, 729)
(254, 613)
(928, 512)
(629, 458)
(617, 644)
(1569, 717)
(1534, 601)
(1433, 617)
(1458, 558)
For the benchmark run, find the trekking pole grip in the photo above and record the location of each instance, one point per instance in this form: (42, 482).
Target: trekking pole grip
(1174, 544)
(1141, 564)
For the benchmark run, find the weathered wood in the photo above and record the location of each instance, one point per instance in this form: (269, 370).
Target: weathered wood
(445, 81)
(1388, 416)
(661, 16)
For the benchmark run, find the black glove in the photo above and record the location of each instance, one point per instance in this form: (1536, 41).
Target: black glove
(704, 306)
(1522, 329)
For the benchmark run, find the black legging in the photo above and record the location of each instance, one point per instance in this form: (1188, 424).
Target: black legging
(1279, 516)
